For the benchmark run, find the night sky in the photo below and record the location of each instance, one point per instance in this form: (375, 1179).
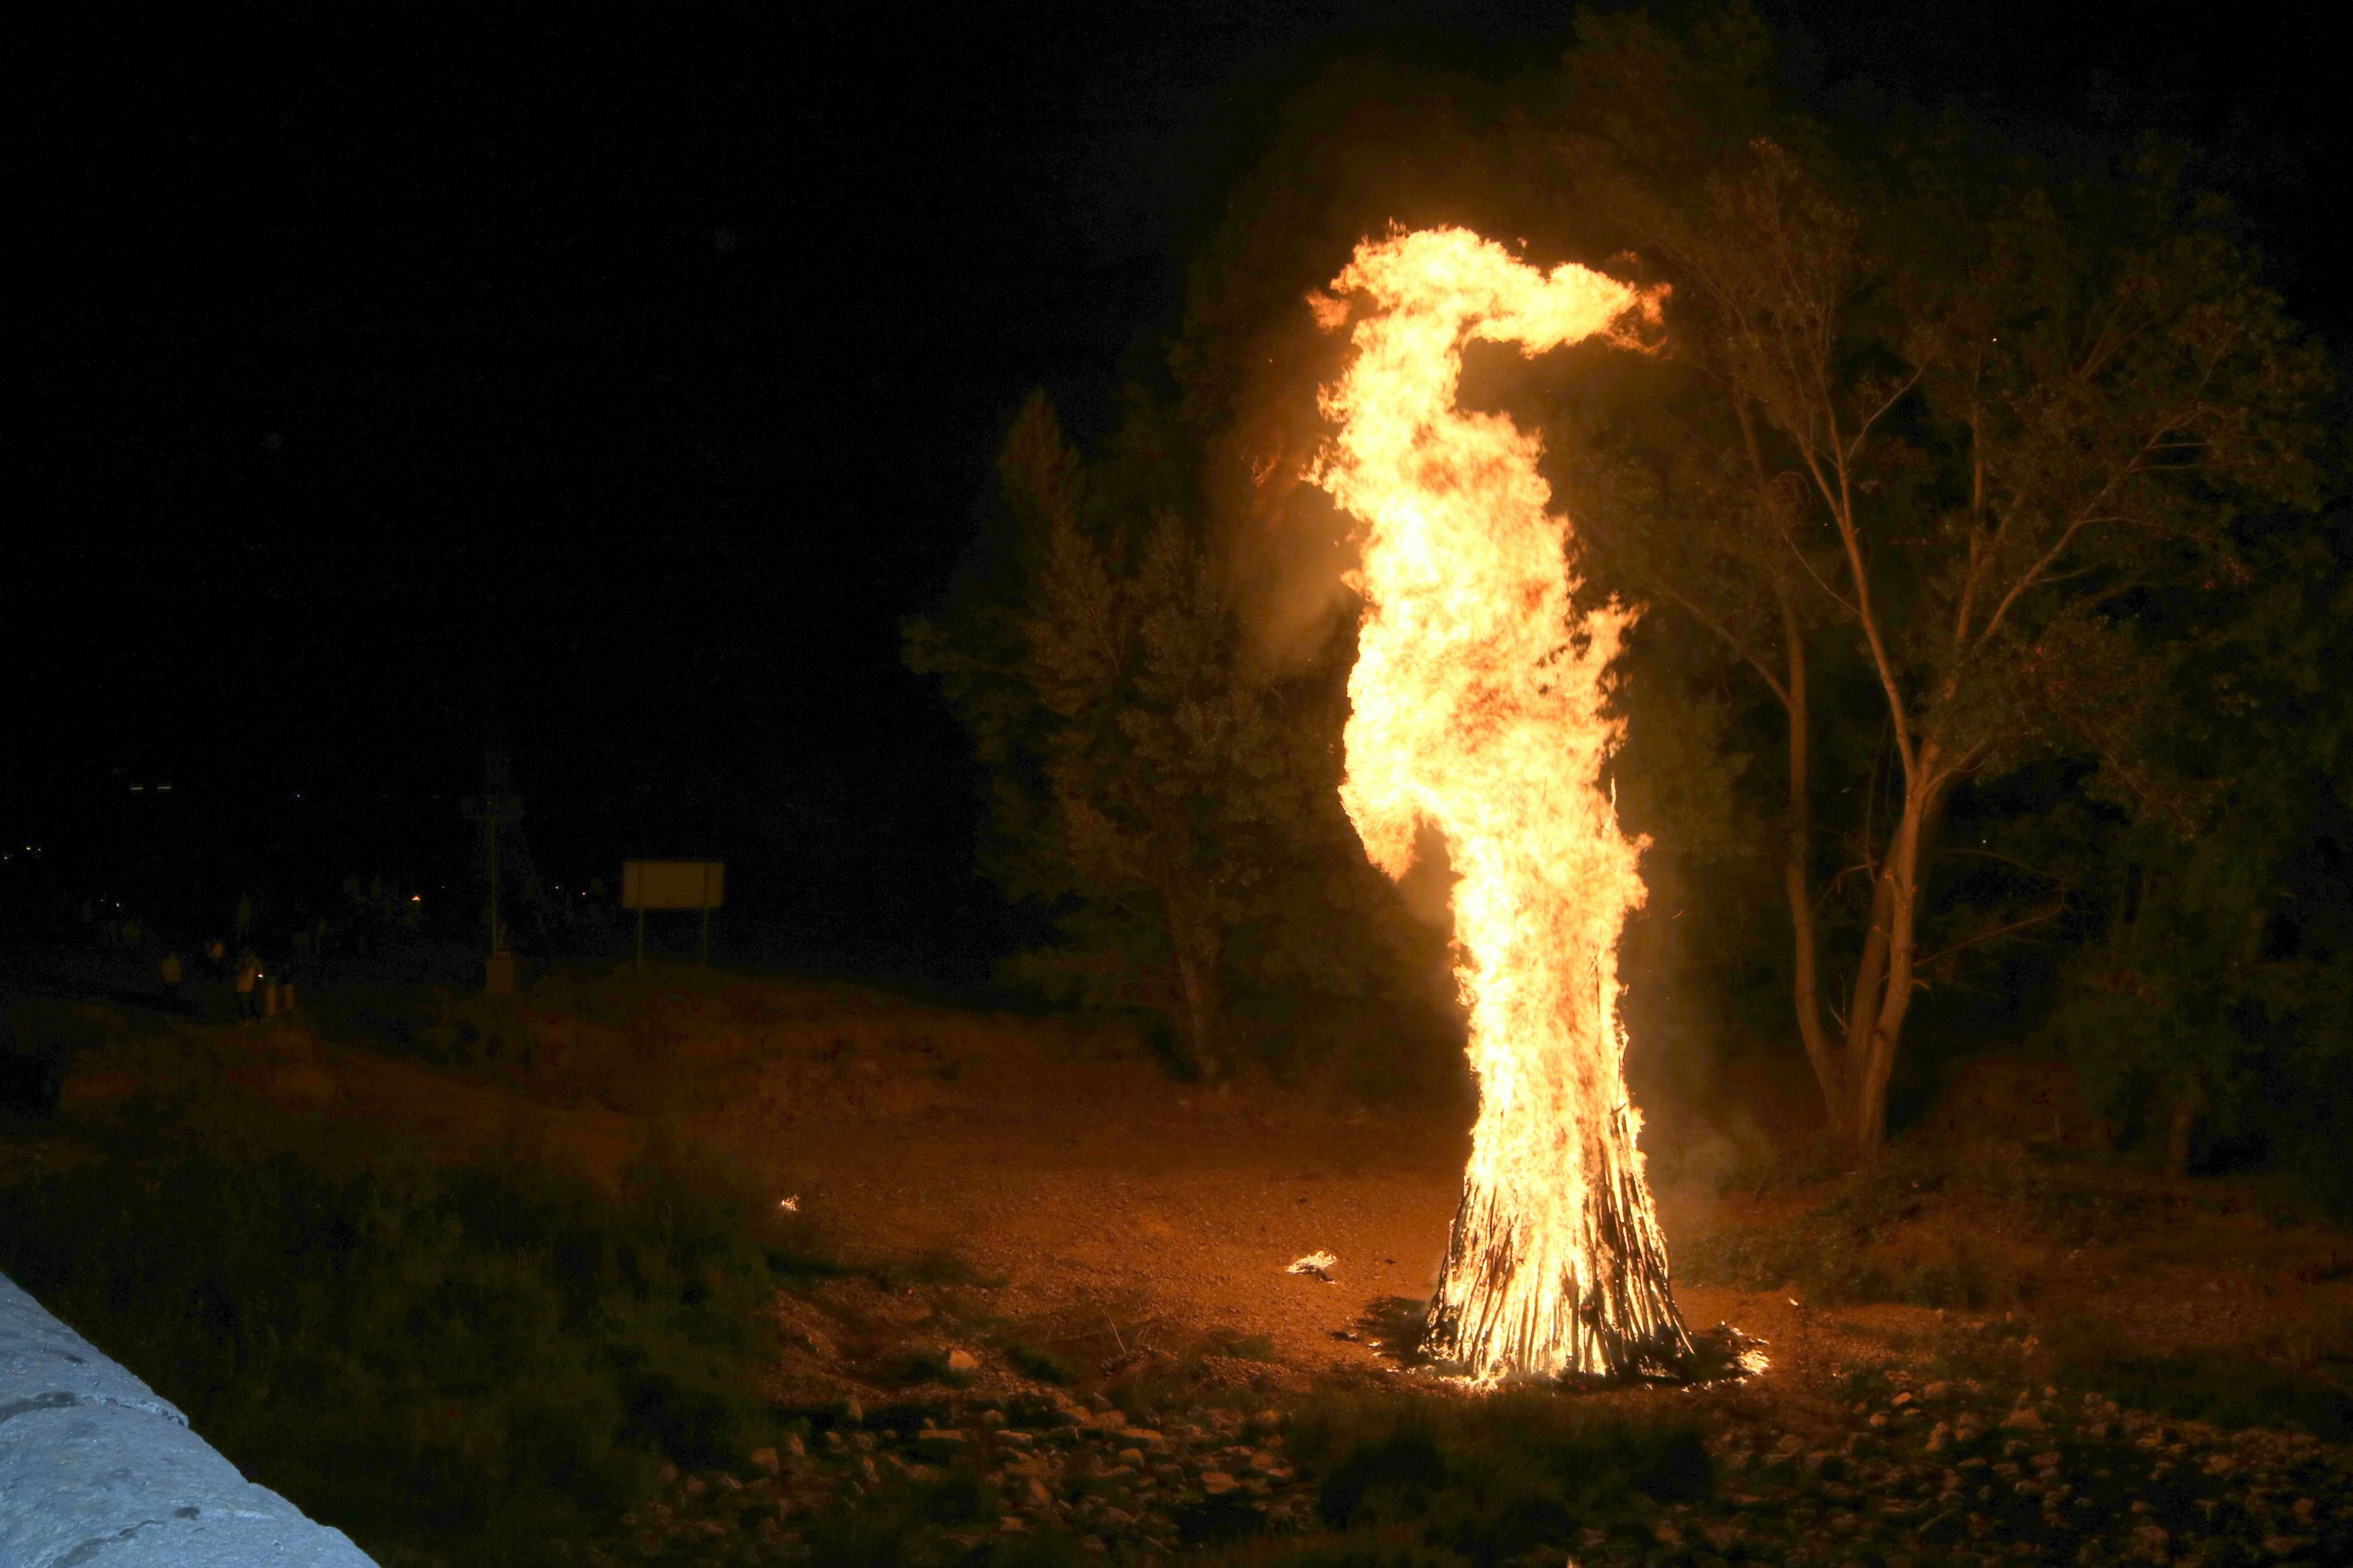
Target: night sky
(623, 379)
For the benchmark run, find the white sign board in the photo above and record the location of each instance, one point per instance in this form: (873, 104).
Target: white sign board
(672, 884)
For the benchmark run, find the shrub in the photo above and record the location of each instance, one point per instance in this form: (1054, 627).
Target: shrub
(1404, 1480)
(1835, 1253)
(473, 1363)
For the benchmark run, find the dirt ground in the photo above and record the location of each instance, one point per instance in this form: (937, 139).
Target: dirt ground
(1063, 1166)
(1042, 1183)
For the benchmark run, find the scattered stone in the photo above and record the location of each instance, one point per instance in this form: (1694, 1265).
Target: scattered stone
(942, 1443)
(963, 1361)
(1218, 1483)
(2025, 1418)
(766, 1459)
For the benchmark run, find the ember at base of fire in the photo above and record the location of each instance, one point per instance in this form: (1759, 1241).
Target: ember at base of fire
(1720, 1354)
(1556, 1268)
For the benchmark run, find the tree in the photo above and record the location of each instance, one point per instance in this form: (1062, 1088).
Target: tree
(2213, 992)
(1170, 794)
(1954, 440)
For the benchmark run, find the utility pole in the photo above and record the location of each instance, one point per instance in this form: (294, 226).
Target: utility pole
(493, 811)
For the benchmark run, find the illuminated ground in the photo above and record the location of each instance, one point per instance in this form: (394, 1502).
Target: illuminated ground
(1062, 1163)
(1069, 1195)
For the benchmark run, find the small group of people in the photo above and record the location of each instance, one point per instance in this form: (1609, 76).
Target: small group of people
(258, 994)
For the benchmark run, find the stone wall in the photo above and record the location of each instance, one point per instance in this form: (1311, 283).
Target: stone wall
(95, 1469)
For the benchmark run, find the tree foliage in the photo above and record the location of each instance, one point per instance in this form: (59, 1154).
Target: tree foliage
(2210, 1002)
(1937, 413)
(1169, 792)
(1969, 505)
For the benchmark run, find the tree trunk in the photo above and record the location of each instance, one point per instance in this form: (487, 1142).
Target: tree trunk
(2179, 1130)
(1797, 881)
(1198, 983)
(1884, 976)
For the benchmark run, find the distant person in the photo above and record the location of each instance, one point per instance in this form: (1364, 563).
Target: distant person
(169, 972)
(217, 958)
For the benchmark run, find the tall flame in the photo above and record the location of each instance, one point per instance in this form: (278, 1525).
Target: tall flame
(1476, 711)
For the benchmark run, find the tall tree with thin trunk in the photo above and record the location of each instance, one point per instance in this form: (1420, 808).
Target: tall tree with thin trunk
(1959, 441)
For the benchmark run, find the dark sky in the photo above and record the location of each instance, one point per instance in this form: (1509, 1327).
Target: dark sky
(626, 377)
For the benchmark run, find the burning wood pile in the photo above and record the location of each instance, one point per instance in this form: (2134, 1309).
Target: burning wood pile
(1477, 706)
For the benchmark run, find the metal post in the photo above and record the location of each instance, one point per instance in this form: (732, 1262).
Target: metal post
(491, 826)
(641, 938)
(492, 811)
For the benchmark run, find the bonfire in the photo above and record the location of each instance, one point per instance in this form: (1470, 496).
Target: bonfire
(1477, 702)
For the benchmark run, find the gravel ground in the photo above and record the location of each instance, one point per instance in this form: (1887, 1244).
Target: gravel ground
(1949, 1472)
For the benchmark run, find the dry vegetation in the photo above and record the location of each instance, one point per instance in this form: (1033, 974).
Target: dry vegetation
(1030, 1302)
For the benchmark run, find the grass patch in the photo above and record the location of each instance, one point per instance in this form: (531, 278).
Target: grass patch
(455, 1365)
(2231, 1391)
(2076, 1217)
(1844, 1251)
(2299, 1376)
(1039, 1363)
(1832, 1261)
(1438, 1482)
(1774, 1168)
(937, 1265)
(1238, 1346)
(933, 1524)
